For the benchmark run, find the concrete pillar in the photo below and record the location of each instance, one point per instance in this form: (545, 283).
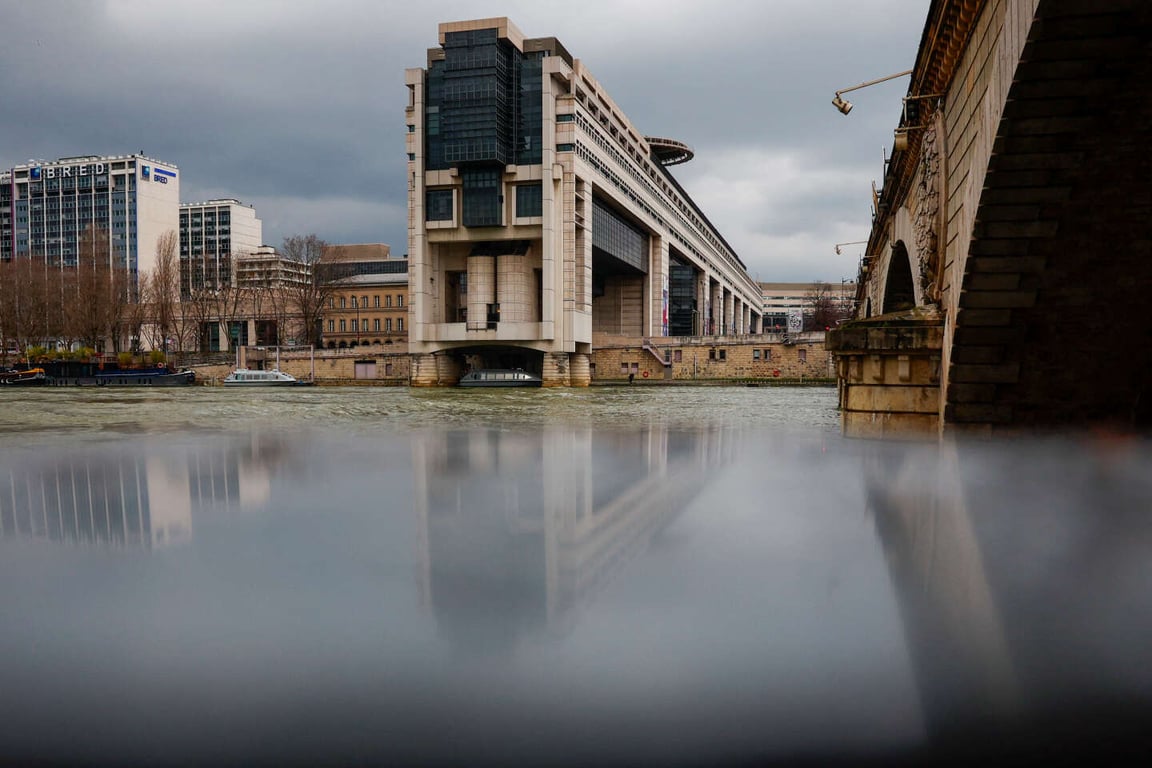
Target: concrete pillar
(727, 329)
(431, 370)
(716, 311)
(555, 370)
(481, 290)
(700, 321)
(579, 369)
(656, 322)
(513, 291)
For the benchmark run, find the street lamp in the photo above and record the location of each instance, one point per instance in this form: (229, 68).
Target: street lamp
(854, 242)
(845, 106)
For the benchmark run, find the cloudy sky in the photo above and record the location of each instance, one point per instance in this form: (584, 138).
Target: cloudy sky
(297, 106)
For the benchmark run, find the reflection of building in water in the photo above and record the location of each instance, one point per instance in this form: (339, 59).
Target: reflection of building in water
(139, 497)
(236, 475)
(518, 530)
(130, 500)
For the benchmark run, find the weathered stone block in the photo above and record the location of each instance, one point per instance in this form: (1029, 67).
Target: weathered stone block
(1004, 373)
(997, 299)
(971, 393)
(984, 317)
(993, 281)
(974, 354)
(893, 399)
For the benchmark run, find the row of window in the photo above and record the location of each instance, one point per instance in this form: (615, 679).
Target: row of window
(361, 302)
(358, 326)
(439, 204)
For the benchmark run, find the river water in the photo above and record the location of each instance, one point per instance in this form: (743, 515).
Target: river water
(48, 414)
(617, 575)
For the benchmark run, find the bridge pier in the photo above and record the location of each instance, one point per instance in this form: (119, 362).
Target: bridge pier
(888, 369)
(433, 370)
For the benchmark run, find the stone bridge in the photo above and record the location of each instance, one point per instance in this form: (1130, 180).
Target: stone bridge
(1011, 244)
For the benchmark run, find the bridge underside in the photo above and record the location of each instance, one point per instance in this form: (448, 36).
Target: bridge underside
(1050, 329)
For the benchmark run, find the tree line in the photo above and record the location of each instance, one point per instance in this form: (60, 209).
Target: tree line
(95, 304)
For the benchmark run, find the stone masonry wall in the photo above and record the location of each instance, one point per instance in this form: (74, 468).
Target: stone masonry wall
(713, 358)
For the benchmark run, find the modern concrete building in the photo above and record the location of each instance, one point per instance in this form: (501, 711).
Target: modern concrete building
(46, 206)
(539, 216)
(212, 235)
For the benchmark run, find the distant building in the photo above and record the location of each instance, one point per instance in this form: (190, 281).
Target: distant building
(213, 235)
(264, 267)
(46, 206)
(368, 296)
(540, 216)
(781, 299)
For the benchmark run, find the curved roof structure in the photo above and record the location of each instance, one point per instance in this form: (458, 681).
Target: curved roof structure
(669, 151)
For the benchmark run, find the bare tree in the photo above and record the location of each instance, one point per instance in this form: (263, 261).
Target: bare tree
(31, 297)
(94, 291)
(821, 308)
(309, 295)
(162, 297)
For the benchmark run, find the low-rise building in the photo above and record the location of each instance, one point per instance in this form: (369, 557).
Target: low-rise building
(367, 301)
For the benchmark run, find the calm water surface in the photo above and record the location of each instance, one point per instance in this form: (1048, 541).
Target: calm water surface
(610, 576)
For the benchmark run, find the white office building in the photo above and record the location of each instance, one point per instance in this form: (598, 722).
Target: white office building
(46, 206)
(213, 235)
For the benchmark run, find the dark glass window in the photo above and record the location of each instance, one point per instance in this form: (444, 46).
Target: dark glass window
(617, 237)
(482, 198)
(529, 126)
(438, 205)
(529, 200)
(681, 300)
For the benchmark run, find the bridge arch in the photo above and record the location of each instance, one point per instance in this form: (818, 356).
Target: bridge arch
(899, 287)
(1048, 328)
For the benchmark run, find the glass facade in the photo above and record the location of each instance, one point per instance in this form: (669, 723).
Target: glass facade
(616, 237)
(482, 198)
(478, 97)
(483, 111)
(438, 205)
(529, 200)
(681, 299)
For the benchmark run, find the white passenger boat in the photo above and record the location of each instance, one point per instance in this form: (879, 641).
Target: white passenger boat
(244, 377)
(499, 377)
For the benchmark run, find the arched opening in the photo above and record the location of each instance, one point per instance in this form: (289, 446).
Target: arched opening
(899, 293)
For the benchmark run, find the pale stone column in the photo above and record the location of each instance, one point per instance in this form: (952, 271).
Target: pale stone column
(700, 321)
(481, 290)
(727, 312)
(579, 369)
(657, 287)
(555, 370)
(716, 312)
(512, 289)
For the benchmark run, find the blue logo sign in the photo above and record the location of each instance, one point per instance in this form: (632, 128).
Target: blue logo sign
(34, 173)
(162, 176)
(145, 173)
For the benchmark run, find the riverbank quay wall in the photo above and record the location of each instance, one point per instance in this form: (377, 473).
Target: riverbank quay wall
(377, 365)
(686, 359)
(766, 357)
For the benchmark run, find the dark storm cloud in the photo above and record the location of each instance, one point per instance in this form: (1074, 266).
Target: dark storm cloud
(298, 108)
